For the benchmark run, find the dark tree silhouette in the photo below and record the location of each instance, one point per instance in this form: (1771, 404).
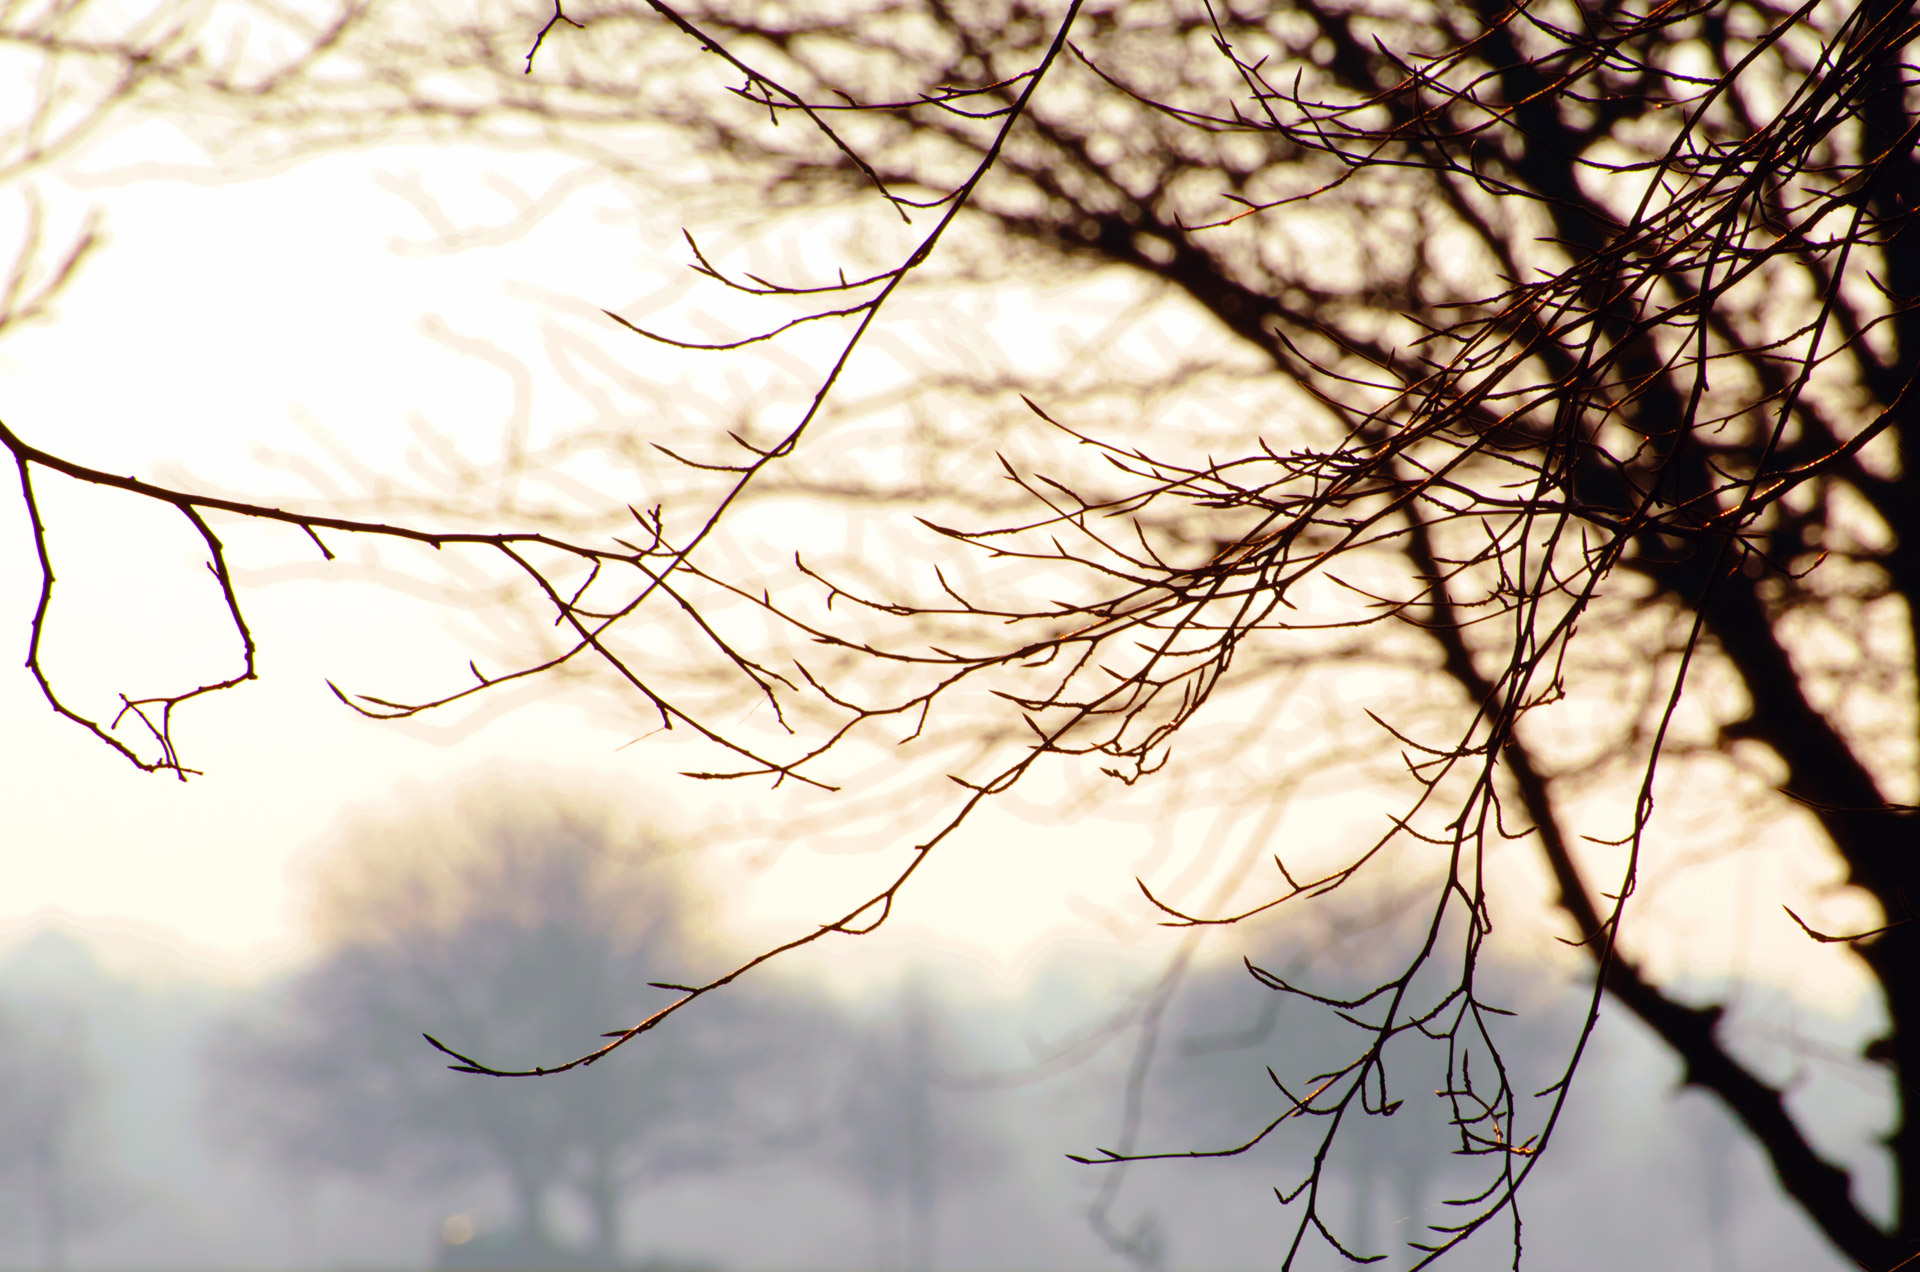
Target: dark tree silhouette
(1597, 333)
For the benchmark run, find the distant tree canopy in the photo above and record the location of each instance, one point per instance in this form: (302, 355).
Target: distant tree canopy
(508, 921)
(1588, 337)
(47, 1088)
(903, 1139)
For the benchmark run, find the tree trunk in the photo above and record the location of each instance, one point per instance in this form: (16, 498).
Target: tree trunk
(603, 1197)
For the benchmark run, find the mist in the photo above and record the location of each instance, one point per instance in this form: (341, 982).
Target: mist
(923, 1123)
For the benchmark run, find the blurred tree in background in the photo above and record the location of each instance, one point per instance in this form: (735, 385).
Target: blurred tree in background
(76, 69)
(47, 1089)
(1557, 369)
(899, 1135)
(510, 921)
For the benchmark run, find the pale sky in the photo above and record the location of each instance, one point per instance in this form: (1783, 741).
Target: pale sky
(226, 319)
(221, 320)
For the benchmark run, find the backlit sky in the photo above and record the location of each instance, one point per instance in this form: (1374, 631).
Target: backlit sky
(223, 320)
(226, 319)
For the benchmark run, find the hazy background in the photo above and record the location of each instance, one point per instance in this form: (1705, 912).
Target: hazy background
(314, 313)
(1647, 1174)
